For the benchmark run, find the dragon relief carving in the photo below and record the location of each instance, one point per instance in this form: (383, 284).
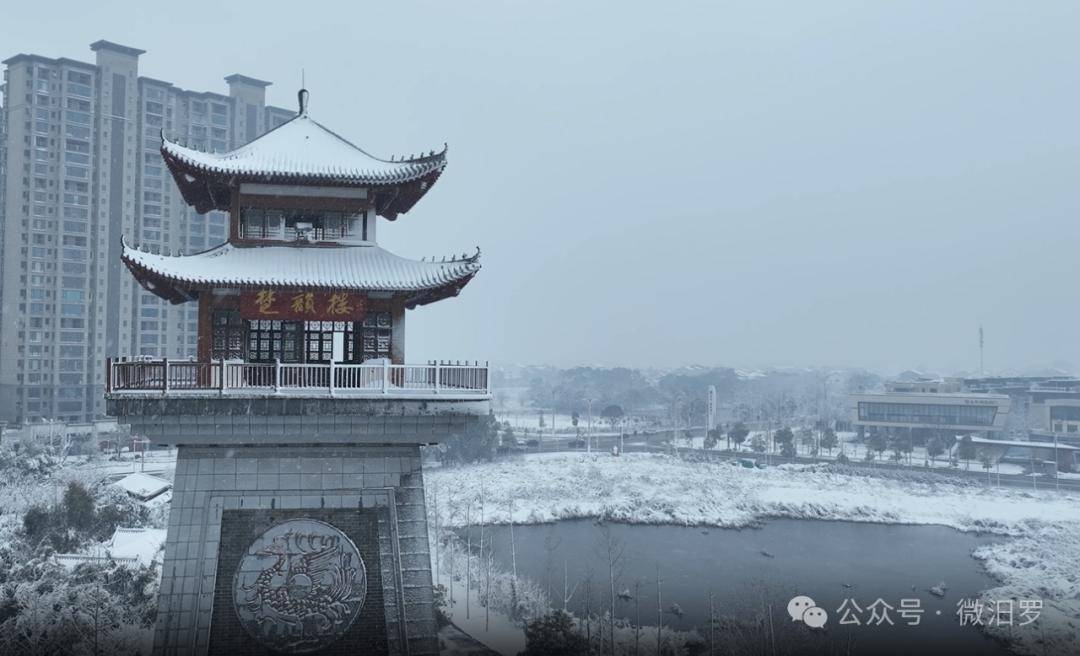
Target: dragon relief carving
(300, 586)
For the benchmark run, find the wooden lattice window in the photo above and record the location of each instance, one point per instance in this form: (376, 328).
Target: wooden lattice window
(227, 338)
(374, 336)
(270, 339)
(319, 339)
(352, 354)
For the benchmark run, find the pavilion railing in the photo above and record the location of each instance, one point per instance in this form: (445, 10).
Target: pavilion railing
(140, 376)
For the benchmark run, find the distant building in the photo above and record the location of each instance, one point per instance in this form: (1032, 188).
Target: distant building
(925, 414)
(79, 167)
(1045, 408)
(1055, 415)
(1040, 408)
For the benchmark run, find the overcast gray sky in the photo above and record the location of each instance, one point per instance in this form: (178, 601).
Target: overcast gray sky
(661, 183)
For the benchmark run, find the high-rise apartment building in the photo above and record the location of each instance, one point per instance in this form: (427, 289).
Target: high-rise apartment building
(81, 167)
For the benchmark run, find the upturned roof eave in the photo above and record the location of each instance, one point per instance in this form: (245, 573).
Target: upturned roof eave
(177, 289)
(206, 189)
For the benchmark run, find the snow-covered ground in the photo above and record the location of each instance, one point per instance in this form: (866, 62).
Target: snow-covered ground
(1041, 560)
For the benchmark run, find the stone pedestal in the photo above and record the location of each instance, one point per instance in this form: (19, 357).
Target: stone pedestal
(295, 530)
(226, 498)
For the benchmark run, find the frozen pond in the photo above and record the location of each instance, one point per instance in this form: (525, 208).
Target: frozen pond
(753, 573)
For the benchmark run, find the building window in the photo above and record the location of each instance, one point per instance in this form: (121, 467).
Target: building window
(319, 339)
(227, 339)
(260, 224)
(315, 225)
(373, 340)
(927, 413)
(1065, 413)
(269, 340)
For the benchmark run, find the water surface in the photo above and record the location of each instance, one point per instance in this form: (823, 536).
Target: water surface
(753, 573)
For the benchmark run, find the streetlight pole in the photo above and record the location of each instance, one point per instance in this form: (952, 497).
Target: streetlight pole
(552, 413)
(1056, 461)
(588, 440)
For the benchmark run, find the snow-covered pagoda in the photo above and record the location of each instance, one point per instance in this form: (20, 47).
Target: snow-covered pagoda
(298, 519)
(301, 281)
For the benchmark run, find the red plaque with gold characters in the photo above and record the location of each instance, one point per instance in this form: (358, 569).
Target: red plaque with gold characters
(299, 305)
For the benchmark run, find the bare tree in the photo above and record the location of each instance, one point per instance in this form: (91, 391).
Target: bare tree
(712, 624)
(588, 605)
(468, 555)
(568, 593)
(513, 562)
(659, 611)
(637, 614)
(487, 589)
(438, 535)
(513, 548)
(481, 560)
(454, 512)
(95, 618)
(613, 551)
(551, 545)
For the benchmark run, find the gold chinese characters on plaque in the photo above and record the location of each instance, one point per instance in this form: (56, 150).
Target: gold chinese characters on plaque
(299, 305)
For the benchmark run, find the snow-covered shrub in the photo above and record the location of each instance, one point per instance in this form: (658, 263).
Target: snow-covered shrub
(82, 517)
(100, 608)
(22, 458)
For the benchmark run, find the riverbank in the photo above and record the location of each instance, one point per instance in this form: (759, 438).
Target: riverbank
(1041, 560)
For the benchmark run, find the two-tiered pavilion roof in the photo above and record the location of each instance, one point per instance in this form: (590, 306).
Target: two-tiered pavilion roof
(301, 153)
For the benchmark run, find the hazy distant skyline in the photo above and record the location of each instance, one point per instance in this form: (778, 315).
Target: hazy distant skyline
(656, 184)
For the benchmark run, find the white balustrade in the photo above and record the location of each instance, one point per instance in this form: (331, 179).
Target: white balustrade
(254, 378)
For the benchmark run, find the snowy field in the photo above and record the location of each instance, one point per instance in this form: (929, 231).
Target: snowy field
(1040, 558)
(856, 452)
(1039, 555)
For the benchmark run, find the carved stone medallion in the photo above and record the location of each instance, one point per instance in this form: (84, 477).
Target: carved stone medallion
(299, 586)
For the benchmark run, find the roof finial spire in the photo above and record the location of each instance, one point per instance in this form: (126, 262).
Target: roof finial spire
(302, 95)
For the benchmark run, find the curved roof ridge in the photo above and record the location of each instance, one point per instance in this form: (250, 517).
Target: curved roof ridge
(245, 159)
(361, 267)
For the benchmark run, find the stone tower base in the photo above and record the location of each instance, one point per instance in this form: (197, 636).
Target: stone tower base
(306, 549)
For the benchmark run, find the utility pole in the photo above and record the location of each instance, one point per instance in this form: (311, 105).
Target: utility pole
(1056, 461)
(982, 371)
(588, 440)
(552, 413)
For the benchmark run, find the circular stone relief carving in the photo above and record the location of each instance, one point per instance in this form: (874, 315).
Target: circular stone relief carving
(299, 586)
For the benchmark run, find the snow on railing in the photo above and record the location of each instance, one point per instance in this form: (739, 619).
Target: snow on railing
(332, 378)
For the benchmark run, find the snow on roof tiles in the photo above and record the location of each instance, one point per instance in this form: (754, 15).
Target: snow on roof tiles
(366, 267)
(304, 148)
(143, 486)
(128, 545)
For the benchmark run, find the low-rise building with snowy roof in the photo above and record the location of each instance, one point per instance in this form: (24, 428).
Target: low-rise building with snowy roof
(128, 546)
(143, 487)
